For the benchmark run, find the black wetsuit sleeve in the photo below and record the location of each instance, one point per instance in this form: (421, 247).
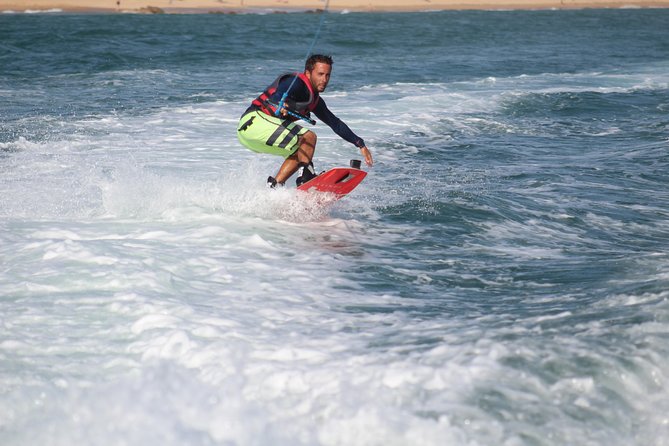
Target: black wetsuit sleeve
(323, 113)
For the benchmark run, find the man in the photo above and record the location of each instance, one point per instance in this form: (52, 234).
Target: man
(262, 131)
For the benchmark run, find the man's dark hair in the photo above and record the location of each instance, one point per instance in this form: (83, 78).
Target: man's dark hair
(316, 58)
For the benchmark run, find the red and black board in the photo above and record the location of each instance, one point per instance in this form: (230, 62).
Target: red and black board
(338, 181)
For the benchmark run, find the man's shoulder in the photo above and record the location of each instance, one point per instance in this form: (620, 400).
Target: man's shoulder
(320, 104)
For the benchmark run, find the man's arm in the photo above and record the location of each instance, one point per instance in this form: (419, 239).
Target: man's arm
(323, 113)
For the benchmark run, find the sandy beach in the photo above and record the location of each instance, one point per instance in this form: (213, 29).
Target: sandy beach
(235, 6)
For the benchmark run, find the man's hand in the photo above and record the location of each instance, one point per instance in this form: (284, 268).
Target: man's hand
(368, 156)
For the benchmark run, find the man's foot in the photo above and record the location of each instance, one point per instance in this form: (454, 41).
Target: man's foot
(308, 173)
(272, 183)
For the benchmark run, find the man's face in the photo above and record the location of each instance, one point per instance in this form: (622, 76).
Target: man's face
(319, 76)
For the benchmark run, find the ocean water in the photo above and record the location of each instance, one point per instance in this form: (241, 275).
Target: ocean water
(500, 278)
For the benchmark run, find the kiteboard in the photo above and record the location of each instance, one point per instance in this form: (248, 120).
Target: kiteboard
(338, 181)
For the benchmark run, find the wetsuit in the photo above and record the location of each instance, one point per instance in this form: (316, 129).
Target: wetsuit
(299, 93)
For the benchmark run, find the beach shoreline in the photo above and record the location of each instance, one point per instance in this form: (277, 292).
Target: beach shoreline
(268, 6)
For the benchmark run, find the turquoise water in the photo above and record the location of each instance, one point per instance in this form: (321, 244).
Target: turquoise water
(500, 278)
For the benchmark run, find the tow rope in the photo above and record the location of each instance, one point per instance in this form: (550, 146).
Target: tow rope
(311, 48)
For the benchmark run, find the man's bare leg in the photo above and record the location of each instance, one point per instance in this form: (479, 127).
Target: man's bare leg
(303, 155)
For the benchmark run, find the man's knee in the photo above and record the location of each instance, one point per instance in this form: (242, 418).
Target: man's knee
(309, 138)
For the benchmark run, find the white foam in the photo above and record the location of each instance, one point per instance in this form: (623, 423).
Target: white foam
(43, 11)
